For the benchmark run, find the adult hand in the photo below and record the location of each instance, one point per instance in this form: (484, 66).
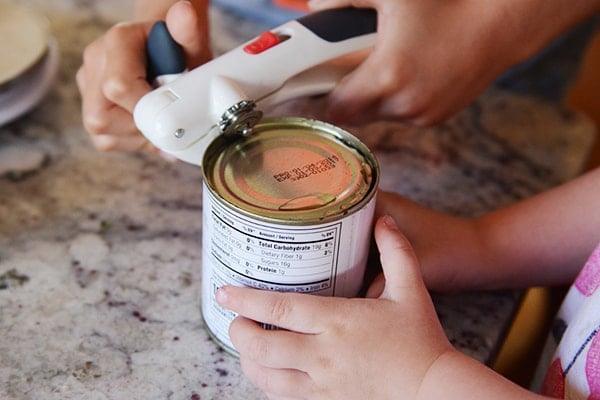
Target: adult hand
(112, 77)
(431, 59)
(338, 348)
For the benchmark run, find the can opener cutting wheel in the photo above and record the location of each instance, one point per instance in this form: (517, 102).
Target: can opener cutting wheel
(183, 116)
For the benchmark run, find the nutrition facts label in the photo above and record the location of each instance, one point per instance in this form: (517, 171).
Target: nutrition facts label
(270, 257)
(322, 259)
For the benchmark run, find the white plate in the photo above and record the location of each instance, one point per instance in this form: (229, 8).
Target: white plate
(24, 93)
(23, 39)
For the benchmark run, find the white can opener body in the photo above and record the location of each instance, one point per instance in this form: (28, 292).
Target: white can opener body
(183, 116)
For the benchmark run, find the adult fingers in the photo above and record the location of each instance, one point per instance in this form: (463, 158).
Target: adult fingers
(99, 114)
(120, 143)
(104, 118)
(315, 5)
(124, 81)
(187, 22)
(379, 82)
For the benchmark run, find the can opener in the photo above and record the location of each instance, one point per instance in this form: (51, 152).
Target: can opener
(183, 115)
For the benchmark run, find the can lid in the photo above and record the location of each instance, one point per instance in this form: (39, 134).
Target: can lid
(292, 169)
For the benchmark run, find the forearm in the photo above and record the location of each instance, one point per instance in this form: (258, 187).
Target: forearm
(549, 235)
(535, 23)
(456, 376)
(543, 240)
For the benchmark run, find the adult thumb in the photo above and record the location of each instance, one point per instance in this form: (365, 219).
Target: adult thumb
(398, 259)
(187, 22)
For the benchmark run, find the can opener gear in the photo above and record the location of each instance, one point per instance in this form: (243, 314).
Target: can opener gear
(189, 109)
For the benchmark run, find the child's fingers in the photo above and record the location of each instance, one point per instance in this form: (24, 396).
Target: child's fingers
(398, 259)
(376, 287)
(278, 383)
(296, 312)
(269, 348)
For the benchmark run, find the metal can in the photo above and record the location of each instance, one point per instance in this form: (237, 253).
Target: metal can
(287, 208)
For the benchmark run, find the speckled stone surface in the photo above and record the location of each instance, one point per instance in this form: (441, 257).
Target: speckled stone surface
(100, 253)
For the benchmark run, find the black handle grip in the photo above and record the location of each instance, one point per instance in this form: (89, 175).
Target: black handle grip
(165, 56)
(337, 24)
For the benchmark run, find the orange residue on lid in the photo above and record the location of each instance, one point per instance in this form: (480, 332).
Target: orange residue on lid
(301, 5)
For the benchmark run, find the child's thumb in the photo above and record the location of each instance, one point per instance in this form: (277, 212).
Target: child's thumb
(398, 259)
(187, 22)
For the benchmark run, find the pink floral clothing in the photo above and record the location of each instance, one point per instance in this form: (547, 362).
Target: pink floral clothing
(573, 350)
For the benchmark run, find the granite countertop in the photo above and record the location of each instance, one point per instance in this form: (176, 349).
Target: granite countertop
(100, 253)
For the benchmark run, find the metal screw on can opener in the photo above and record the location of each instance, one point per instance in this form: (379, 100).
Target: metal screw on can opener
(240, 118)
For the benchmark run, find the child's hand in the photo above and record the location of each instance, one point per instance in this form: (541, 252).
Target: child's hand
(338, 348)
(450, 249)
(112, 77)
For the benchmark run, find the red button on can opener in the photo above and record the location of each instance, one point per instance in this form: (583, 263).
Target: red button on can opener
(224, 96)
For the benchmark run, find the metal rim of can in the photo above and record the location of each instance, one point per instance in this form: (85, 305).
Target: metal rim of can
(214, 337)
(292, 170)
